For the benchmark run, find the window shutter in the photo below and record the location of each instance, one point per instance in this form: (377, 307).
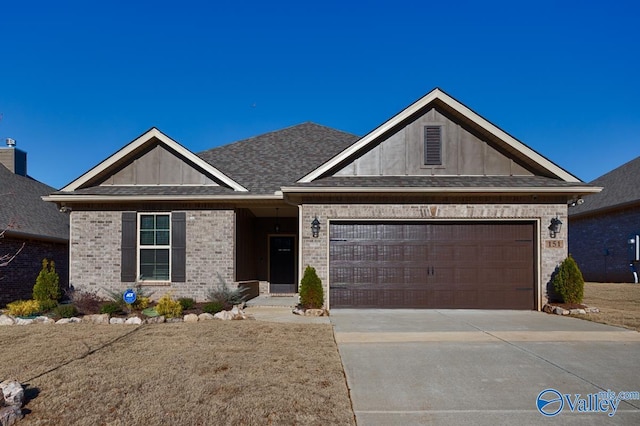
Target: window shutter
(128, 248)
(432, 145)
(178, 247)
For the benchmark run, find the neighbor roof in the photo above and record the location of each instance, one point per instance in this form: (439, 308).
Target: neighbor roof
(621, 187)
(22, 208)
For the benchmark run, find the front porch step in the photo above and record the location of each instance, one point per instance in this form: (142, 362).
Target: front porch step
(279, 299)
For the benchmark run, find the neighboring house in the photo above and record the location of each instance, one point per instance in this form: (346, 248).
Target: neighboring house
(33, 228)
(435, 208)
(601, 227)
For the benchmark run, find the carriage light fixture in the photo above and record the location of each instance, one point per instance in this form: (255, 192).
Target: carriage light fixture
(555, 226)
(315, 227)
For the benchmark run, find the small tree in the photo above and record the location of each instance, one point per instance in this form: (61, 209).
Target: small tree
(47, 288)
(311, 292)
(568, 281)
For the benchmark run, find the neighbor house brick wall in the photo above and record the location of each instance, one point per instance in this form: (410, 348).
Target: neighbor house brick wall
(599, 244)
(95, 253)
(18, 277)
(315, 251)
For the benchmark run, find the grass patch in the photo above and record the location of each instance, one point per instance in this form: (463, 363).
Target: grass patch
(619, 304)
(213, 372)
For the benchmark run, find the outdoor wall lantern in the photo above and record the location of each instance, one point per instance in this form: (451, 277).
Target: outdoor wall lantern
(555, 226)
(315, 227)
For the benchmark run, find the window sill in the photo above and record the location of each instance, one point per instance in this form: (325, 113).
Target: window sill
(154, 283)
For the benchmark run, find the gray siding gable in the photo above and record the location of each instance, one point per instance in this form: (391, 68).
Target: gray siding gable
(464, 152)
(157, 165)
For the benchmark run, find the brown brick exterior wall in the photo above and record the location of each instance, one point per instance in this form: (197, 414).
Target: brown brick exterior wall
(18, 278)
(95, 252)
(599, 244)
(314, 251)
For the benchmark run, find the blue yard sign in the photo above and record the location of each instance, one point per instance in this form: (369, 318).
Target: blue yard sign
(129, 296)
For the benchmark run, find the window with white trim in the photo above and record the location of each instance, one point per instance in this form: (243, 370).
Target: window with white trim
(154, 246)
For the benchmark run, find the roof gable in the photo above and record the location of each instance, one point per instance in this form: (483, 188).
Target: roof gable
(153, 159)
(505, 156)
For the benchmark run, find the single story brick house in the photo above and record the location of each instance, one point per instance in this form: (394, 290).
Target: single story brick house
(31, 229)
(604, 225)
(434, 208)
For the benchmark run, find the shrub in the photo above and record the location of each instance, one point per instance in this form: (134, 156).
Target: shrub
(226, 296)
(168, 307)
(85, 301)
(66, 311)
(141, 303)
(568, 282)
(47, 305)
(213, 307)
(186, 303)
(311, 292)
(23, 308)
(47, 285)
(111, 308)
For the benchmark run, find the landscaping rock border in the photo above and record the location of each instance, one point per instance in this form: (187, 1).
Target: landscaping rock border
(559, 310)
(105, 319)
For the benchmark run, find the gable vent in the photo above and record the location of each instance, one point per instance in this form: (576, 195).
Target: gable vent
(432, 145)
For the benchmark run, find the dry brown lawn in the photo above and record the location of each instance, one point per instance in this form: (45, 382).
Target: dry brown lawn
(619, 304)
(205, 373)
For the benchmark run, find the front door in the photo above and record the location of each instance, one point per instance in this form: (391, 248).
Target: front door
(282, 264)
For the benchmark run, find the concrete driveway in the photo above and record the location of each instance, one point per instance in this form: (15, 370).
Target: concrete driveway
(459, 367)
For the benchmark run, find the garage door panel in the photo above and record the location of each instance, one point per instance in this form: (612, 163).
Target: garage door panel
(429, 265)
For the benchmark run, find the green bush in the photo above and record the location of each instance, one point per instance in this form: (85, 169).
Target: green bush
(66, 311)
(213, 307)
(111, 308)
(225, 295)
(186, 303)
(568, 282)
(47, 285)
(311, 292)
(23, 308)
(168, 307)
(47, 305)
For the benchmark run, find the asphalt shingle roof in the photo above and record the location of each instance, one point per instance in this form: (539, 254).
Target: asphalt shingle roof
(621, 186)
(142, 190)
(21, 206)
(265, 163)
(439, 182)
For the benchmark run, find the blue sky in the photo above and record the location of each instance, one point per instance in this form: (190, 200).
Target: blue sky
(80, 79)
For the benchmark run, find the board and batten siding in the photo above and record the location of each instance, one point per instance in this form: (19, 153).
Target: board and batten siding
(463, 153)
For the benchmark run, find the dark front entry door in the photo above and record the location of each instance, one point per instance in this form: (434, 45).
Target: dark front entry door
(282, 264)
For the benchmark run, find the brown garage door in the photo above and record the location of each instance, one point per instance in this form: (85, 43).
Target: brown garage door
(488, 265)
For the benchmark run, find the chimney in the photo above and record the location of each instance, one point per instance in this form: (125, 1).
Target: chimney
(13, 158)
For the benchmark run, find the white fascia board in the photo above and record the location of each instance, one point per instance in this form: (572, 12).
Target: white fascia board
(57, 198)
(460, 108)
(443, 190)
(137, 143)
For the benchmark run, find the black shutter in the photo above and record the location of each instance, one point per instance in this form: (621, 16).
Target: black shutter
(178, 247)
(128, 264)
(432, 145)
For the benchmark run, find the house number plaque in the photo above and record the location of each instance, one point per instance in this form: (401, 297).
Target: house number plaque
(554, 244)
